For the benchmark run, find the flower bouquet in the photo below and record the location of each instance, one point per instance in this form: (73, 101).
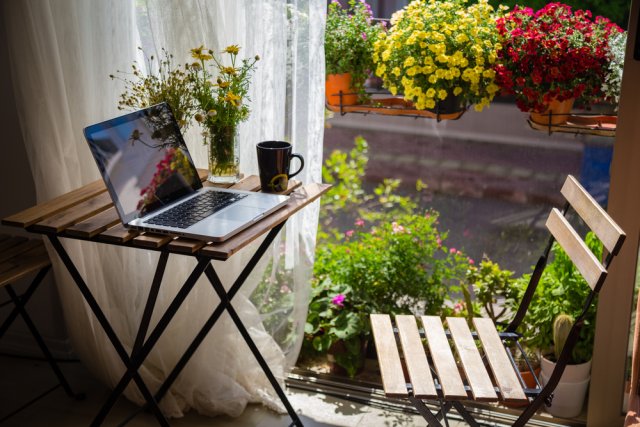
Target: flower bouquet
(222, 107)
(553, 54)
(348, 45)
(441, 52)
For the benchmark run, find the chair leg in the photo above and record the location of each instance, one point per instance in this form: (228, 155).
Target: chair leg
(465, 414)
(431, 419)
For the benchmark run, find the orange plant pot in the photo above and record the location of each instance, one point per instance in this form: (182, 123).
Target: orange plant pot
(556, 113)
(337, 84)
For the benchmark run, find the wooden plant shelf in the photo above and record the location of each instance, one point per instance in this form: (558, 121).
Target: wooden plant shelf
(393, 107)
(600, 125)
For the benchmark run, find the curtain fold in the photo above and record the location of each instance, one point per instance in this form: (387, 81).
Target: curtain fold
(61, 55)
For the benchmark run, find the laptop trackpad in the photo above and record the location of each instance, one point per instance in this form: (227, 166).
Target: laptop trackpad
(240, 213)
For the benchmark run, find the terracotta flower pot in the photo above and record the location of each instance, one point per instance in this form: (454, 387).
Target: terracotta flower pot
(337, 84)
(530, 381)
(556, 113)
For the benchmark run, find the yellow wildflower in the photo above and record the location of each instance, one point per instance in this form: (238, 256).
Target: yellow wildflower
(442, 94)
(232, 49)
(201, 53)
(229, 70)
(232, 98)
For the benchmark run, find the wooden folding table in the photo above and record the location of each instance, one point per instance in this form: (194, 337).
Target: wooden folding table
(88, 214)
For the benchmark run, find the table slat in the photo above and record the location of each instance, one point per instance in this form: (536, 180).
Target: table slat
(393, 379)
(415, 358)
(298, 199)
(37, 213)
(95, 224)
(152, 240)
(63, 219)
(503, 371)
(118, 234)
(18, 267)
(477, 376)
(443, 361)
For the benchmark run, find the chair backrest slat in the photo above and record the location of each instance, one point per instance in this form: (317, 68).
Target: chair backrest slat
(596, 218)
(584, 260)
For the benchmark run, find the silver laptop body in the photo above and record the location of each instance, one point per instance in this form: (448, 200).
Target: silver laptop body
(150, 175)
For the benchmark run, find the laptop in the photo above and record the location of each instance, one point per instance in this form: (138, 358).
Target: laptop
(154, 184)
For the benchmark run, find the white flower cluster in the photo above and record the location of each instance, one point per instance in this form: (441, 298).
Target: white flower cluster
(613, 79)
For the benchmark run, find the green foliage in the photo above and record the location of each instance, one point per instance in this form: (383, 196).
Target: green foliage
(349, 38)
(391, 260)
(335, 316)
(616, 10)
(494, 289)
(561, 289)
(348, 199)
(168, 84)
(394, 267)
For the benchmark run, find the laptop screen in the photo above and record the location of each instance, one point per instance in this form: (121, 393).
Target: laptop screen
(143, 159)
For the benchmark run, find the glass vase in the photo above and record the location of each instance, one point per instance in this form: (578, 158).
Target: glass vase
(224, 156)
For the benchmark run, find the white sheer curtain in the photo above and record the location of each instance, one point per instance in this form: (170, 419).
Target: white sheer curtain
(62, 52)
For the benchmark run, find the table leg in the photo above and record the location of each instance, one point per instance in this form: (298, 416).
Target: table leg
(224, 299)
(106, 326)
(146, 348)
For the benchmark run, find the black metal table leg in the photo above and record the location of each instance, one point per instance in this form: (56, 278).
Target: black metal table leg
(146, 348)
(106, 326)
(224, 299)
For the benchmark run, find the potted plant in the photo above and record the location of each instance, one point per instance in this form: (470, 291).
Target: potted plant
(440, 54)
(551, 57)
(559, 298)
(348, 47)
(396, 266)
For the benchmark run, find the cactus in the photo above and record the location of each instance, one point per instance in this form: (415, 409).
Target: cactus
(561, 328)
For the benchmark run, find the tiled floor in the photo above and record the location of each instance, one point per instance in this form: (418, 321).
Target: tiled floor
(22, 379)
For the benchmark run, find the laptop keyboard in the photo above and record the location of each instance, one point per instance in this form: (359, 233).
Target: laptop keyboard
(195, 209)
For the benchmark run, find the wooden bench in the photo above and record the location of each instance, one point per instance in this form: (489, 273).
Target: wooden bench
(21, 257)
(483, 368)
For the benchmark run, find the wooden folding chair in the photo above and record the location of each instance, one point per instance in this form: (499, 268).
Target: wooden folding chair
(19, 258)
(489, 372)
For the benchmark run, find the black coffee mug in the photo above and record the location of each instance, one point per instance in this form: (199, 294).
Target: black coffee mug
(274, 158)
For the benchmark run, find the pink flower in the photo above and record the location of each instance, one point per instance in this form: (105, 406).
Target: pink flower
(471, 261)
(452, 250)
(338, 300)
(349, 233)
(364, 36)
(397, 228)
(359, 222)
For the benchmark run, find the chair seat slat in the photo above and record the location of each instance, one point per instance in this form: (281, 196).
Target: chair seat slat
(574, 246)
(475, 370)
(393, 379)
(415, 357)
(443, 360)
(503, 371)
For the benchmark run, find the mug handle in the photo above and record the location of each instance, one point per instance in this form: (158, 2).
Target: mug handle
(291, 175)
